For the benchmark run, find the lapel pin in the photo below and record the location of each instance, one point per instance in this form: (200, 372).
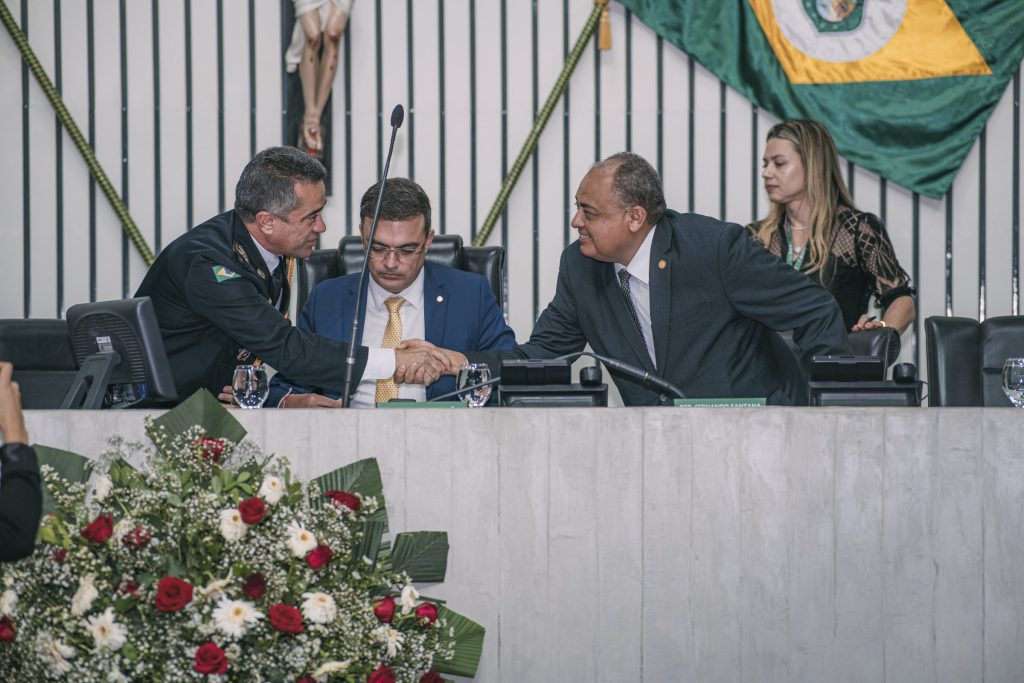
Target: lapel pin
(440, 298)
(661, 264)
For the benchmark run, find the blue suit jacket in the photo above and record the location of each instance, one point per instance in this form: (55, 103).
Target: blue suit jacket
(459, 313)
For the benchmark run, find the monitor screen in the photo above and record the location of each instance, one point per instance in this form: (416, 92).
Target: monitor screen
(120, 354)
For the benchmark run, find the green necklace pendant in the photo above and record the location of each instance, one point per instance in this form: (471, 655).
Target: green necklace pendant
(794, 257)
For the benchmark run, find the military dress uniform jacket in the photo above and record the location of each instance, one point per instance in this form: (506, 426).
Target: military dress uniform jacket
(213, 298)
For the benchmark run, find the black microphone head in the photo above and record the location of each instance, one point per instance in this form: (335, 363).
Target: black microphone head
(397, 116)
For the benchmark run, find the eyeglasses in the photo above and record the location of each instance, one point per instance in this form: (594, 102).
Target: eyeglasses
(381, 252)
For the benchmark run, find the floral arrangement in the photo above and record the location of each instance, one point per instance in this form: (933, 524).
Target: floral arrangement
(210, 562)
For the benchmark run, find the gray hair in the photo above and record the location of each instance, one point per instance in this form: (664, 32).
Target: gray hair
(268, 181)
(403, 199)
(636, 183)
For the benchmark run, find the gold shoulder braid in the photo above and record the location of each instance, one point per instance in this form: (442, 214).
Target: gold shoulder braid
(243, 354)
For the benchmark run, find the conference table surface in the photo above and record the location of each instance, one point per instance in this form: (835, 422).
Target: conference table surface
(696, 544)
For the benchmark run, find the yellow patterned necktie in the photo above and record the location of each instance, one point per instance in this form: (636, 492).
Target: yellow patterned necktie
(386, 388)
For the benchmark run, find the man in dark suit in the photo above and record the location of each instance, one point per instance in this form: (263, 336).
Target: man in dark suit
(685, 297)
(21, 497)
(221, 292)
(449, 308)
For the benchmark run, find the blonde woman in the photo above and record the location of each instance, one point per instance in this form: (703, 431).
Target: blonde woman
(813, 225)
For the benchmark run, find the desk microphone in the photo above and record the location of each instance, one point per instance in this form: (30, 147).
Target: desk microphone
(647, 379)
(397, 116)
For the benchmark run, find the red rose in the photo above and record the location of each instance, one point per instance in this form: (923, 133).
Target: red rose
(129, 588)
(381, 675)
(59, 555)
(286, 618)
(99, 530)
(210, 659)
(319, 556)
(431, 677)
(137, 538)
(306, 679)
(210, 449)
(349, 500)
(7, 630)
(172, 594)
(384, 608)
(255, 585)
(426, 614)
(252, 510)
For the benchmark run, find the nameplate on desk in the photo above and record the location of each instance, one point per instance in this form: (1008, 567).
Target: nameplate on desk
(719, 402)
(424, 404)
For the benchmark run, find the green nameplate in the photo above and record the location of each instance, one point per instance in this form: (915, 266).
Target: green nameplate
(424, 404)
(719, 402)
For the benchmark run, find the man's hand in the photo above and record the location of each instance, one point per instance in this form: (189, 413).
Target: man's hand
(451, 360)
(309, 401)
(12, 422)
(418, 362)
(227, 397)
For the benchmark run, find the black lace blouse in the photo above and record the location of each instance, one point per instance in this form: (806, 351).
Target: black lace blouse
(862, 262)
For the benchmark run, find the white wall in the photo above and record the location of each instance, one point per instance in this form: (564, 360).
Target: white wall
(473, 167)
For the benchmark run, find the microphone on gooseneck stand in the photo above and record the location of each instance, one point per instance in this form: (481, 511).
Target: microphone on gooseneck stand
(650, 381)
(397, 116)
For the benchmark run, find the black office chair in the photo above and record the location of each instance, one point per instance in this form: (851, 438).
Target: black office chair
(881, 342)
(446, 250)
(44, 364)
(965, 358)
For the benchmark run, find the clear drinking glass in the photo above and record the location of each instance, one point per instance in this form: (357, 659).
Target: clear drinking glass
(250, 386)
(470, 374)
(1013, 381)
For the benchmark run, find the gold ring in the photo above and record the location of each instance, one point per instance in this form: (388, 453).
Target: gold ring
(884, 324)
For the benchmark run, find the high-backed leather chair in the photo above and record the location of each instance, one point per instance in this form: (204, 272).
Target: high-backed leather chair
(44, 364)
(446, 250)
(965, 359)
(882, 342)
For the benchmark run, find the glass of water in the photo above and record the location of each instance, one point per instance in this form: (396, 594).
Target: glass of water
(469, 375)
(250, 386)
(1013, 381)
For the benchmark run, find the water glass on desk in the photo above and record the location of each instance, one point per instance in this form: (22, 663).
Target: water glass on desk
(469, 375)
(1013, 381)
(250, 386)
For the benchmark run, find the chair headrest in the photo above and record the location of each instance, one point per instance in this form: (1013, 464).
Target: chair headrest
(445, 250)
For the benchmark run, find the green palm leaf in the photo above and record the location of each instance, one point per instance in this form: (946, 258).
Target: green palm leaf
(369, 544)
(469, 643)
(422, 554)
(201, 408)
(71, 466)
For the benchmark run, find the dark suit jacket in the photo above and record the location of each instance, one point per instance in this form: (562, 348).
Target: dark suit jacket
(213, 319)
(459, 313)
(21, 501)
(716, 299)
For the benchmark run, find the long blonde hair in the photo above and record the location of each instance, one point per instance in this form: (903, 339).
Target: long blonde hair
(826, 190)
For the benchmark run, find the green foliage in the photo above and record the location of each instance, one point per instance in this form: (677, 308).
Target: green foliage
(200, 409)
(421, 554)
(469, 644)
(70, 466)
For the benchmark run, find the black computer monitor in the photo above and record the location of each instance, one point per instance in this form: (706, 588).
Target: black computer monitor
(120, 355)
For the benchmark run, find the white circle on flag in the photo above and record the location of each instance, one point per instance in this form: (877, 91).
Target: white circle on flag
(879, 23)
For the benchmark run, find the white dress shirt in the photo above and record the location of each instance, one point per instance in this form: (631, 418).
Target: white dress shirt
(640, 288)
(380, 363)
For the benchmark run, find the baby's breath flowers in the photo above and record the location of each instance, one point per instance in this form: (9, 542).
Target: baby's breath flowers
(210, 560)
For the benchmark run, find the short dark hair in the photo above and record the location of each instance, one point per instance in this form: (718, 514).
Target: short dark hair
(403, 199)
(268, 181)
(636, 183)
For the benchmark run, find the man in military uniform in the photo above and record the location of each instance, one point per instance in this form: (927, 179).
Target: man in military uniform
(221, 290)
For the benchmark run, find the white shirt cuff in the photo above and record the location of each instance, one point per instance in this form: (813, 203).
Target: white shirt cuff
(380, 363)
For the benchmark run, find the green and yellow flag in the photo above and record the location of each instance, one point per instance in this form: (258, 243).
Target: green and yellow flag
(905, 86)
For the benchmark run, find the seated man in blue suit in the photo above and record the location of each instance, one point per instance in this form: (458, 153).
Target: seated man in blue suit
(406, 298)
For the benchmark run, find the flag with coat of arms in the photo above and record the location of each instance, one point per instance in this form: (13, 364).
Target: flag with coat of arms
(905, 86)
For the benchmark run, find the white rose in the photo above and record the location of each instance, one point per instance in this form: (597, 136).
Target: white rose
(106, 632)
(319, 608)
(232, 528)
(271, 490)
(300, 541)
(102, 487)
(8, 603)
(234, 617)
(121, 529)
(390, 638)
(54, 652)
(409, 598)
(325, 670)
(84, 596)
